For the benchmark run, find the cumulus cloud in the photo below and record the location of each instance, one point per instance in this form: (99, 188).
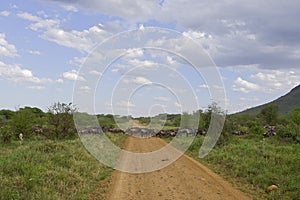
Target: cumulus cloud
(133, 53)
(249, 99)
(177, 105)
(95, 72)
(69, 8)
(263, 32)
(244, 86)
(145, 64)
(73, 76)
(37, 87)
(128, 9)
(82, 41)
(203, 86)
(6, 49)
(85, 88)
(38, 22)
(4, 13)
(17, 74)
(34, 52)
(273, 80)
(165, 99)
(138, 80)
(125, 104)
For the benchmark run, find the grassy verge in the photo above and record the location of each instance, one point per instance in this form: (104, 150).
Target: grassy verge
(49, 169)
(252, 163)
(116, 138)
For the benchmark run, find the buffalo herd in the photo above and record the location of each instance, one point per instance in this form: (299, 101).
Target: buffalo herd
(144, 132)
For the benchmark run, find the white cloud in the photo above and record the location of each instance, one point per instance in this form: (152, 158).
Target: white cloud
(70, 8)
(14, 6)
(36, 87)
(95, 72)
(72, 75)
(177, 104)
(115, 70)
(34, 52)
(125, 104)
(132, 53)
(39, 23)
(7, 49)
(277, 79)
(138, 80)
(60, 80)
(145, 64)
(85, 88)
(203, 86)
(244, 86)
(128, 9)
(162, 99)
(4, 13)
(77, 61)
(17, 74)
(72, 39)
(82, 41)
(249, 99)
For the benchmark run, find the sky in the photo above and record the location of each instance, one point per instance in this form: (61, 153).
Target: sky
(55, 50)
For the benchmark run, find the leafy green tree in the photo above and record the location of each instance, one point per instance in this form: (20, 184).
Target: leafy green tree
(213, 108)
(294, 116)
(294, 123)
(5, 116)
(61, 120)
(270, 114)
(23, 121)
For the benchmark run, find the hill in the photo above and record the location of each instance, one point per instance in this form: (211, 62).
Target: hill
(286, 103)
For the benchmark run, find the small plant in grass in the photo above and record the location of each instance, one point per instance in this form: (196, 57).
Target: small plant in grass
(257, 130)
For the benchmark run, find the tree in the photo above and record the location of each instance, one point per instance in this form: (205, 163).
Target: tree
(61, 120)
(23, 121)
(212, 108)
(5, 116)
(294, 123)
(270, 114)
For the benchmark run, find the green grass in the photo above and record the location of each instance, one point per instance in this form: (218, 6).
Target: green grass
(50, 169)
(116, 138)
(252, 163)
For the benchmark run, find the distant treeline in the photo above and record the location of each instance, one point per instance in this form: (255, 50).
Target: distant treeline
(58, 123)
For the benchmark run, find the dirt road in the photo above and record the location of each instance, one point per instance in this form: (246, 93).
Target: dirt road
(184, 179)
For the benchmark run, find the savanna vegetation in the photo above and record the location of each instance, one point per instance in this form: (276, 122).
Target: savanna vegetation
(50, 162)
(252, 161)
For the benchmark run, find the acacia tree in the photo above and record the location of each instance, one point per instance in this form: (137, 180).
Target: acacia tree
(61, 120)
(270, 114)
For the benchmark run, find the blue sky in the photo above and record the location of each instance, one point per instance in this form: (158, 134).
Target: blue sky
(44, 43)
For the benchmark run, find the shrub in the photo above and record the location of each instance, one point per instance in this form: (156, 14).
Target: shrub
(6, 134)
(258, 130)
(291, 131)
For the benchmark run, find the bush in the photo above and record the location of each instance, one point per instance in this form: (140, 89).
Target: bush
(6, 134)
(291, 131)
(61, 120)
(258, 130)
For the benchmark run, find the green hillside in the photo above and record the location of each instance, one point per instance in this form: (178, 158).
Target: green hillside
(286, 103)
